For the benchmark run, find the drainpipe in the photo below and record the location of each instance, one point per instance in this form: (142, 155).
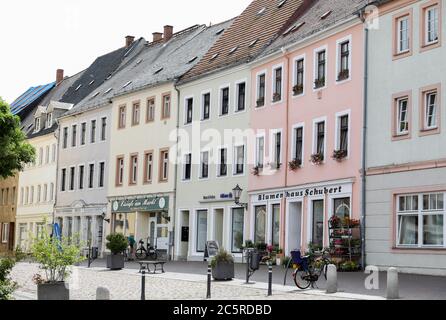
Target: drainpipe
(364, 141)
(176, 170)
(56, 185)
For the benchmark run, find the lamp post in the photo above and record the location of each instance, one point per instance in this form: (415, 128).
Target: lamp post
(237, 192)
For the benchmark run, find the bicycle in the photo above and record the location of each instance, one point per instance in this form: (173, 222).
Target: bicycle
(309, 268)
(142, 252)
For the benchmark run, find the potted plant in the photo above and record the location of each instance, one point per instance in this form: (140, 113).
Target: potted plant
(55, 256)
(334, 222)
(319, 83)
(260, 102)
(256, 170)
(295, 164)
(276, 97)
(339, 155)
(222, 265)
(317, 158)
(298, 89)
(116, 243)
(279, 256)
(344, 74)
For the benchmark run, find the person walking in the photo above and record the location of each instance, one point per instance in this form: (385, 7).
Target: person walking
(132, 242)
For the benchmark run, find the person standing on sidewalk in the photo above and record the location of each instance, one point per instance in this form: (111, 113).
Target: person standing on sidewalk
(132, 242)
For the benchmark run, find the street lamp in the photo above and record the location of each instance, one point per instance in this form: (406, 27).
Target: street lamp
(237, 191)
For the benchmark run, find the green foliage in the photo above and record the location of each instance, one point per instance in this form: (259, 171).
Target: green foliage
(285, 261)
(116, 243)
(15, 151)
(55, 256)
(222, 256)
(7, 286)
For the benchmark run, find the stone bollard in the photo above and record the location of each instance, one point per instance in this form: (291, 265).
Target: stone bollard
(332, 279)
(392, 284)
(102, 293)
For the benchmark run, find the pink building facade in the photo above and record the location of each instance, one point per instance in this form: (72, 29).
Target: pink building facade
(308, 122)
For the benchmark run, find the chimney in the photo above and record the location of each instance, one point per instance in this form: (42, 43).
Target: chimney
(59, 76)
(168, 32)
(129, 40)
(157, 36)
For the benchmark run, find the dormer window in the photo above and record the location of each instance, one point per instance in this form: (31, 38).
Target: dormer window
(37, 124)
(49, 120)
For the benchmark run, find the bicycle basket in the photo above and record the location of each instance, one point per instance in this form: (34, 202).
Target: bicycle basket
(298, 260)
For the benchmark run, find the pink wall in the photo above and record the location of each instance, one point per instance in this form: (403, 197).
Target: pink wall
(327, 102)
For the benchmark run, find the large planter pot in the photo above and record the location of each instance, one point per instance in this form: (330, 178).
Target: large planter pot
(223, 271)
(115, 261)
(53, 291)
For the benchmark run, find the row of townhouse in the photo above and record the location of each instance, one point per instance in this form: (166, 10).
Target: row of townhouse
(335, 109)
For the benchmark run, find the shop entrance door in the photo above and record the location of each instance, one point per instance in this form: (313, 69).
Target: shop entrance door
(294, 227)
(152, 231)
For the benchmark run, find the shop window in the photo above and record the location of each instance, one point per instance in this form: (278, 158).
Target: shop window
(341, 207)
(275, 226)
(317, 235)
(238, 215)
(260, 224)
(202, 226)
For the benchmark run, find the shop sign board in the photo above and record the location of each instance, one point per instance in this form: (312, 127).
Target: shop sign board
(150, 204)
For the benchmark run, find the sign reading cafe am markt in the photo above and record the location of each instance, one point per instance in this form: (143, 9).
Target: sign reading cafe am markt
(141, 204)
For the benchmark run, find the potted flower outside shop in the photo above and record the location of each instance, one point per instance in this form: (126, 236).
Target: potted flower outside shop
(279, 256)
(222, 266)
(116, 243)
(257, 169)
(55, 257)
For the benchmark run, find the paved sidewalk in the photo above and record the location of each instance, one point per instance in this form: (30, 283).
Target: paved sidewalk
(126, 285)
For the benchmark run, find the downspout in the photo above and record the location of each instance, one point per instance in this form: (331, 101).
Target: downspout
(286, 55)
(364, 141)
(56, 185)
(176, 170)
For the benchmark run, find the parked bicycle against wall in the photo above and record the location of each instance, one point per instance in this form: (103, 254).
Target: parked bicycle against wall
(309, 268)
(144, 252)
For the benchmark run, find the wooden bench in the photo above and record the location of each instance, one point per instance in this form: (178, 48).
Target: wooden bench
(157, 266)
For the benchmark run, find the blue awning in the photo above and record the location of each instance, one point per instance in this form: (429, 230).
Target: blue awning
(29, 96)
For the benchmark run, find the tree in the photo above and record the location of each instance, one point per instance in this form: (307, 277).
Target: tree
(15, 151)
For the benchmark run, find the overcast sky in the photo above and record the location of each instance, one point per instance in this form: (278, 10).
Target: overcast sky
(38, 37)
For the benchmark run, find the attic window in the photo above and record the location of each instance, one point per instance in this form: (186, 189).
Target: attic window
(233, 50)
(108, 90)
(193, 59)
(294, 28)
(96, 94)
(253, 43)
(129, 82)
(139, 61)
(78, 87)
(262, 11)
(109, 76)
(91, 82)
(158, 71)
(326, 14)
(214, 56)
(220, 31)
(281, 3)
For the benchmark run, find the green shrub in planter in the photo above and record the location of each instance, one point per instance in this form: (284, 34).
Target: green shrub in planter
(116, 243)
(7, 286)
(222, 265)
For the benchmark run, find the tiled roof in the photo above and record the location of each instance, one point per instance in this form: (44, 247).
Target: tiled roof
(313, 21)
(254, 29)
(156, 64)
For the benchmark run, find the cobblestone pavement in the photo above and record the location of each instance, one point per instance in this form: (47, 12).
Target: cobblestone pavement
(126, 285)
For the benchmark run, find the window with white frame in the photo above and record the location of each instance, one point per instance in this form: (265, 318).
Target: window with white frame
(343, 134)
(260, 151)
(103, 128)
(5, 232)
(403, 30)
(37, 124)
(54, 152)
(239, 161)
(206, 106)
(101, 174)
(40, 156)
(204, 165)
(298, 135)
(31, 195)
(300, 77)
(431, 24)
(261, 89)
(241, 96)
(135, 114)
(148, 167)
(122, 117)
(83, 133)
(189, 111)
(27, 196)
(402, 119)
(119, 171)
(430, 110)
(39, 193)
(224, 101)
(45, 192)
(72, 178)
(164, 165)
(166, 107)
(73, 135)
(421, 220)
(238, 217)
(319, 139)
(187, 166)
(91, 175)
(150, 116)
(81, 176)
(133, 169)
(321, 64)
(65, 138)
(223, 162)
(93, 131)
(344, 60)
(202, 225)
(47, 154)
(63, 179)
(51, 192)
(49, 120)
(277, 84)
(276, 149)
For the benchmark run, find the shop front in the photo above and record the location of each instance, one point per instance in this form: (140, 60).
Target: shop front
(295, 217)
(145, 218)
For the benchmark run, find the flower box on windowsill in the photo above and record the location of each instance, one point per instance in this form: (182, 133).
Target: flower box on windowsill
(260, 102)
(319, 83)
(339, 155)
(344, 75)
(298, 89)
(295, 164)
(257, 170)
(317, 158)
(277, 97)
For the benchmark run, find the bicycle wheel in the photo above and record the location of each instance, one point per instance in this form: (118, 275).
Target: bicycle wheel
(301, 279)
(140, 254)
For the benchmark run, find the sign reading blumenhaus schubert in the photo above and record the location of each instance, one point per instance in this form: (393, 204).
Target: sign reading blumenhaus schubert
(306, 192)
(142, 204)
